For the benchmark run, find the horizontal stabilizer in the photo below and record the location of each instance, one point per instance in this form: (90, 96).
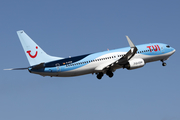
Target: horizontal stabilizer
(17, 69)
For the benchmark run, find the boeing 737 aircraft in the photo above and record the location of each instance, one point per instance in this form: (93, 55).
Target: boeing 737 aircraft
(100, 63)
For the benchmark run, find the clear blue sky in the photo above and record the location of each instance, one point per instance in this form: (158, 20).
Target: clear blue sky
(75, 27)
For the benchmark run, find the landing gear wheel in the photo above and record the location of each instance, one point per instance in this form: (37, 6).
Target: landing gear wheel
(164, 64)
(99, 76)
(109, 73)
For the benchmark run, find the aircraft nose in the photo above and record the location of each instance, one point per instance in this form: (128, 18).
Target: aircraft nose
(173, 50)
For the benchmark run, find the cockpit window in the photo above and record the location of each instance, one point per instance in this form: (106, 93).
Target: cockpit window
(168, 46)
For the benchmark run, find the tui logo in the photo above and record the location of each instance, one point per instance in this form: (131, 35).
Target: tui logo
(32, 56)
(153, 47)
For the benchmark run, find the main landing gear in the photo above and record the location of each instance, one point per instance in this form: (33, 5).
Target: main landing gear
(108, 73)
(99, 75)
(163, 63)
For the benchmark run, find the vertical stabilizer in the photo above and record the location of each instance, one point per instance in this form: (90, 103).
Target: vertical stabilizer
(34, 53)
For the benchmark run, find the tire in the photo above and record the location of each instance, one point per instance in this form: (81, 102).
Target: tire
(164, 64)
(99, 76)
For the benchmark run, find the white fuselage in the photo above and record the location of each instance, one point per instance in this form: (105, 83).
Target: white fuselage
(90, 66)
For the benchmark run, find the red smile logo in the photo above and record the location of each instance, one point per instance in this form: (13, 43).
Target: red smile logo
(33, 56)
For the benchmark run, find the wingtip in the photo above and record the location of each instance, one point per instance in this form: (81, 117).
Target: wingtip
(131, 44)
(127, 37)
(20, 31)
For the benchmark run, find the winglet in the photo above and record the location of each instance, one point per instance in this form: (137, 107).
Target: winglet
(130, 42)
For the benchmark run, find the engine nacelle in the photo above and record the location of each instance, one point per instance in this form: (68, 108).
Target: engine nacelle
(135, 63)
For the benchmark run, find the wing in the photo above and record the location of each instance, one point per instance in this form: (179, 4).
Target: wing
(120, 62)
(129, 54)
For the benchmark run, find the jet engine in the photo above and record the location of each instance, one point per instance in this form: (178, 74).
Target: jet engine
(135, 63)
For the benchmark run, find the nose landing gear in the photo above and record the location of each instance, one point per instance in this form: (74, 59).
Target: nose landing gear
(163, 63)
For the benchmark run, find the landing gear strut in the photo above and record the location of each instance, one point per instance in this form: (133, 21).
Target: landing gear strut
(99, 76)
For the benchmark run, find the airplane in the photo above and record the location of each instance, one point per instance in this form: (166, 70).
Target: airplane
(100, 63)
